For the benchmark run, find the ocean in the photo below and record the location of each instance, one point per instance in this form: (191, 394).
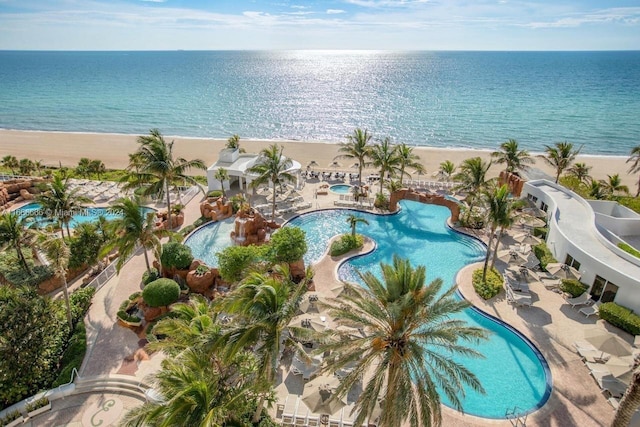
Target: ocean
(441, 99)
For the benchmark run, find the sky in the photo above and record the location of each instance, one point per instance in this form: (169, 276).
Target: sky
(332, 24)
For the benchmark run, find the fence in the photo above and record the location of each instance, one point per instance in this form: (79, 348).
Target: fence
(7, 177)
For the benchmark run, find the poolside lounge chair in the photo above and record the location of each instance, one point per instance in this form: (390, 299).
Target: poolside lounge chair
(518, 298)
(583, 299)
(593, 309)
(609, 383)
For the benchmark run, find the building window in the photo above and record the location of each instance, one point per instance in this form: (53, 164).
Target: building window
(603, 290)
(571, 262)
(532, 198)
(544, 207)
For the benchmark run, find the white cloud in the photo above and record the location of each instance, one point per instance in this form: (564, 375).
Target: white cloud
(154, 1)
(385, 3)
(625, 15)
(335, 11)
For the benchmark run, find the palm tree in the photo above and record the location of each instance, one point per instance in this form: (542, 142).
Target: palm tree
(472, 179)
(393, 185)
(384, 156)
(131, 229)
(614, 185)
(84, 167)
(38, 165)
(61, 201)
(406, 158)
(57, 253)
(222, 175)
(353, 221)
(447, 168)
(513, 158)
(580, 171)
(560, 156)
(408, 346)
(14, 233)
(266, 303)
(499, 214)
(26, 166)
(630, 401)
(357, 148)
(97, 166)
(634, 157)
(10, 162)
(272, 167)
(233, 142)
(158, 168)
(596, 191)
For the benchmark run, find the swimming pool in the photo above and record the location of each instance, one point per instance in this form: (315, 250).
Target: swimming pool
(513, 372)
(85, 214)
(340, 188)
(210, 239)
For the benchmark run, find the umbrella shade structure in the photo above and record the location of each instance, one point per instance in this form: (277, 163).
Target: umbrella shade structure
(319, 395)
(355, 166)
(532, 261)
(563, 271)
(312, 163)
(336, 290)
(531, 221)
(335, 164)
(306, 369)
(527, 239)
(535, 211)
(352, 332)
(524, 274)
(310, 304)
(621, 367)
(607, 342)
(512, 257)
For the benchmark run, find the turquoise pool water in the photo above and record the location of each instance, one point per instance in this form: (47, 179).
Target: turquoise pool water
(207, 241)
(87, 214)
(512, 372)
(340, 188)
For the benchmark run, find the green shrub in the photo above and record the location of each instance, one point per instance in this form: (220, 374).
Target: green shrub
(176, 255)
(491, 287)
(629, 249)
(630, 202)
(80, 302)
(13, 415)
(149, 276)
(540, 232)
(161, 292)
(381, 201)
(542, 252)
(214, 193)
(288, 244)
(621, 317)
(573, 287)
(202, 269)
(345, 243)
(234, 261)
(37, 404)
(73, 355)
(19, 277)
(126, 317)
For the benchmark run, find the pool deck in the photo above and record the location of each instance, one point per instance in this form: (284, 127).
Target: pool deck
(549, 323)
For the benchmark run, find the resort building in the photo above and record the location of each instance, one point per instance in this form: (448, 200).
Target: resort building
(237, 164)
(585, 235)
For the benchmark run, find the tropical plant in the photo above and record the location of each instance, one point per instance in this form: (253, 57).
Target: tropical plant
(560, 156)
(97, 166)
(132, 228)
(596, 191)
(235, 261)
(39, 166)
(471, 179)
(10, 162)
(83, 168)
(630, 401)
(410, 337)
(60, 202)
(514, 159)
(176, 255)
(634, 159)
(384, 156)
(161, 292)
(447, 168)
(272, 167)
(158, 169)
(393, 185)
(86, 243)
(581, 172)
(14, 233)
(407, 159)
(614, 185)
(288, 244)
(265, 304)
(499, 214)
(354, 220)
(233, 142)
(26, 166)
(357, 148)
(222, 175)
(57, 252)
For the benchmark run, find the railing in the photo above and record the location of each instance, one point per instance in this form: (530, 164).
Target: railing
(516, 414)
(188, 195)
(105, 275)
(7, 177)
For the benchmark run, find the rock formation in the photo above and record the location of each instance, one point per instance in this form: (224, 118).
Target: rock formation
(433, 199)
(251, 228)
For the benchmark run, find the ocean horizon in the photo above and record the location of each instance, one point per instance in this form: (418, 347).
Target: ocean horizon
(441, 99)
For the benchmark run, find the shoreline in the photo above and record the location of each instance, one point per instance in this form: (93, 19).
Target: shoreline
(66, 148)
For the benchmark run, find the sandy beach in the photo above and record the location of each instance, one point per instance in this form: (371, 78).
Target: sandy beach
(54, 148)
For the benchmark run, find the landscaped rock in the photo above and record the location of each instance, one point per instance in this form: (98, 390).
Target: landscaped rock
(200, 283)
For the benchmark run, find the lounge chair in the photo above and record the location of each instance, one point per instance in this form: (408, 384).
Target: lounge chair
(518, 298)
(593, 309)
(583, 299)
(609, 383)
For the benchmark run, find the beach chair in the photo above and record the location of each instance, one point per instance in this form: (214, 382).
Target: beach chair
(593, 309)
(579, 300)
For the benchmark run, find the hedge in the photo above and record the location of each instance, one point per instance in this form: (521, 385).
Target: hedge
(542, 252)
(176, 255)
(491, 287)
(345, 243)
(234, 261)
(161, 292)
(288, 244)
(149, 276)
(573, 287)
(620, 316)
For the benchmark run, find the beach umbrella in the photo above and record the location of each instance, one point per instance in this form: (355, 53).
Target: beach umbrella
(563, 271)
(605, 341)
(355, 166)
(532, 261)
(527, 239)
(336, 289)
(335, 164)
(511, 256)
(534, 211)
(621, 367)
(531, 221)
(350, 331)
(310, 304)
(319, 395)
(312, 163)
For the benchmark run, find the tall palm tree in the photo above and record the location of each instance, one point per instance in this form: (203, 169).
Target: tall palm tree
(97, 166)
(353, 221)
(596, 190)
(634, 157)
(498, 205)
(513, 158)
(26, 166)
(614, 185)
(560, 156)
(265, 304)
(158, 168)
(630, 401)
(357, 148)
(14, 233)
(407, 159)
(132, 228)
(84, 167)
(580, 171)
(410, 337)
(272, 167)
(61, 202)
(10, 162)
(57, 253)
(447, 168)
(384, 156)
(222, 175)
(472, 179)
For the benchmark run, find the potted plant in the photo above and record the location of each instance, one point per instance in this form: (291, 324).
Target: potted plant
(38, 406)
(12, 419)
(127, 313)
(200, 279)
(231, 150)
